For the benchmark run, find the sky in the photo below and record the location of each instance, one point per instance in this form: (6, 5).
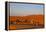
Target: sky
(17, 9)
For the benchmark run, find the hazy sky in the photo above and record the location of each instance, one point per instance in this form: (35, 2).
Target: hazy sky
(17, 9)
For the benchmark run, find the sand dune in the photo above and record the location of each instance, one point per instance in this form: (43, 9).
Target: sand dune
(34, 20)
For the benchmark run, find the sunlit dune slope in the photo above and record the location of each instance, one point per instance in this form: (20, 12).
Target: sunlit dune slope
(35, 18)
